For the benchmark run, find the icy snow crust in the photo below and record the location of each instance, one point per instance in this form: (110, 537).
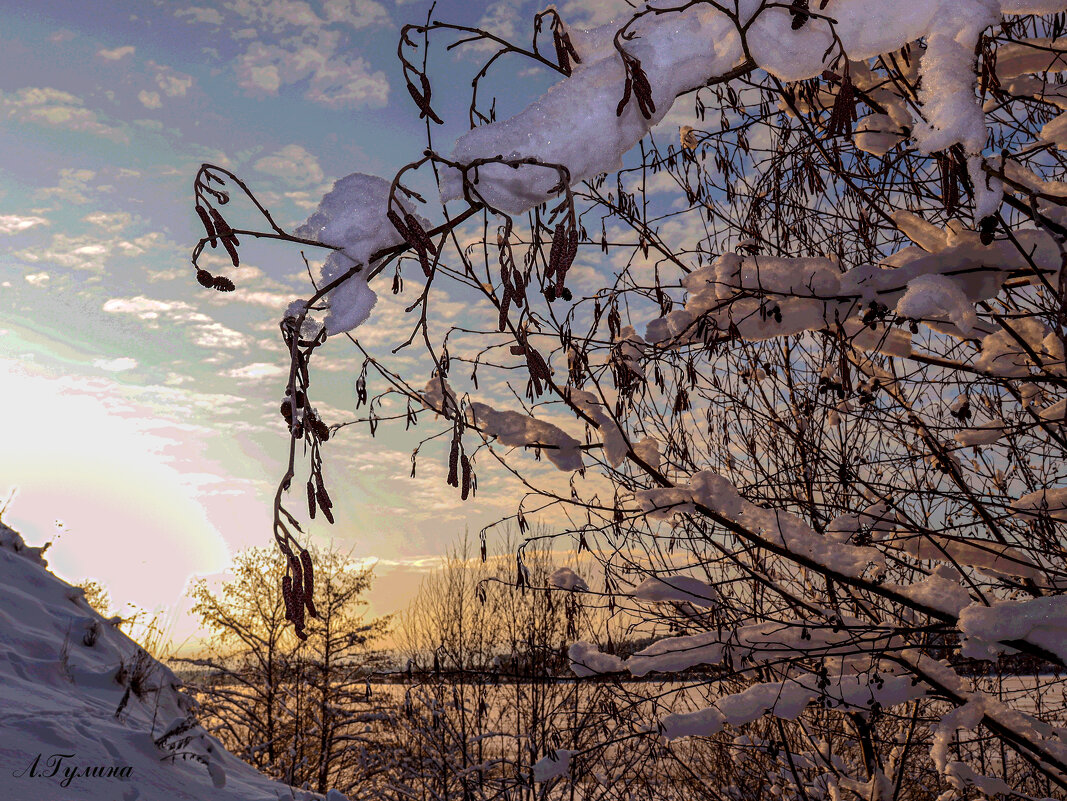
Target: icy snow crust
(60, 695)
(575, 124)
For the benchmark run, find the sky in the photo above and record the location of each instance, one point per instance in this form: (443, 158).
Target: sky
(142, 434)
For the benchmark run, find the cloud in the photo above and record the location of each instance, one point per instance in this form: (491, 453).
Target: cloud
(210, 16)
(117, 365)
(55, 108)
(15, 223)
(71, 252)
(256, 70)
(292, 163)
(38, 279)
(203, 331)
(145, 308)
(278, 16)
(95, 254)
(112, 222)
(170, 81)
(149, 99)
(271, 300)
(279, 13)
(344, 82)
(216, 336)
(73, 186)
(596, 12)
(499, 19)
(357, 14)
(258, 370)
(115, 461)
(303, 46)
(335, 80)
(117, 54)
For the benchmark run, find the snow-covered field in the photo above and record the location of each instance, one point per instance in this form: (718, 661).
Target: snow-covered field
(85, 713)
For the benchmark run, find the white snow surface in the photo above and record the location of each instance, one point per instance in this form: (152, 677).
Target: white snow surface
(575, 123)
(784, 699)
(711, 490)
(936, 296)
(59, 695)
(940, 279)
(984, 434)
(982, 554)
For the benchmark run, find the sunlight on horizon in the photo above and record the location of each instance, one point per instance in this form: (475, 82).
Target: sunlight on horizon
(128, 519)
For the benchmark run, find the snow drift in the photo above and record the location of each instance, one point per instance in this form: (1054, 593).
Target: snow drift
(86, 713)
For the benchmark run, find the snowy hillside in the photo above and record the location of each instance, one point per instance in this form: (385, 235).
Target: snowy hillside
(86, 714)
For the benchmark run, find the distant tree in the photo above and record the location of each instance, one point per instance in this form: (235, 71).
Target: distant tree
(290, 708)
(336, 663)
(484, 658)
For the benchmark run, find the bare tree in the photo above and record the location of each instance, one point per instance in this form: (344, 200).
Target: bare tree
(844, 419)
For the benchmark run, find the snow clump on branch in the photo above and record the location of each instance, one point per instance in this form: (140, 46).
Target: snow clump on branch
(352, 217)
(580, 125)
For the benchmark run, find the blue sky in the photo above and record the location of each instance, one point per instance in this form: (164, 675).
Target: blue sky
(143, 432)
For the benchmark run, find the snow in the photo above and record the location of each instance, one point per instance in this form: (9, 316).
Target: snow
(985, 434)
(941, 590)
(939, 281)
(959, 774)
(675, 654)
(1051, 501)
(877, 518)
(1057, 412)
(579, 125)
(783, 699)
(511, 428)
(552, 765)
(686, 589)
(61, 695)
(784, 529)
(566, 579)
(615, 444)
(935, 296)
(947, 91)
(629, 346)
(1040, 621)
(521, 430)
(352, 216)
(648, 451)
(1031, 56)
(877, 134)
(982, 554)
(588, 660)
(1003, 354)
